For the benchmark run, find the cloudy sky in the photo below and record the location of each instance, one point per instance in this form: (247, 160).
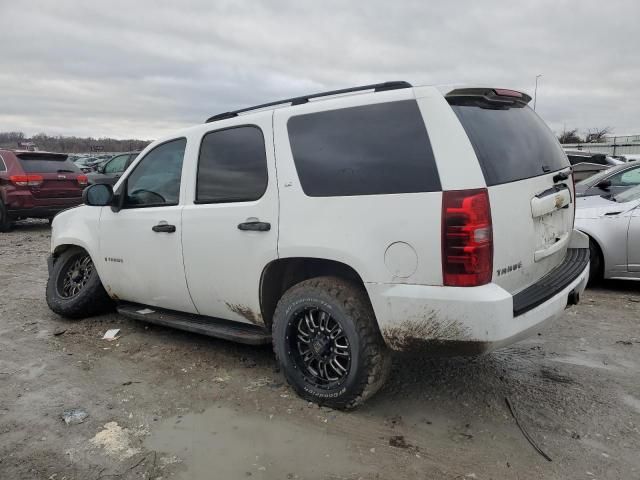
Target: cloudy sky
(142, 69)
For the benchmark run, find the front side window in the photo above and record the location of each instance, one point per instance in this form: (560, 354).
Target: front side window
(156, 179)
(116, 164)
(367, 150)
(232, 166)
(626, 178)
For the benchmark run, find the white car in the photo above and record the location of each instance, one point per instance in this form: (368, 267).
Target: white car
(338, 226)
(612, 222)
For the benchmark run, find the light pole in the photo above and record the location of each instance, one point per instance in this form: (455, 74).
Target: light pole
(535, 92)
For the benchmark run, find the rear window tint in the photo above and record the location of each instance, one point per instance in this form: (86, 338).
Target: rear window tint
(48, 166)
(369, 150)
(232, 166)
(511, 144)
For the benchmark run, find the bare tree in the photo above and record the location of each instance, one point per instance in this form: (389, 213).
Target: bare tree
(71, 144)
(569, 136)
(596, 135)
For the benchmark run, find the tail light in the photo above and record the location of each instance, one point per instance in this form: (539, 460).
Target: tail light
(575, 198)
(26, 180)
(467, 238)
(83, 181)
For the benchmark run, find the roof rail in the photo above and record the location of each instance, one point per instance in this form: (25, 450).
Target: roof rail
(376, 87)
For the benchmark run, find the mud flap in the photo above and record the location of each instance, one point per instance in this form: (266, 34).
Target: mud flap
(50, 264)
(578, 240)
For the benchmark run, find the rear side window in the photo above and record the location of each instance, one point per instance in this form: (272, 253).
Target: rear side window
(232, 166)
(369, 150)
(511, 144)
(47, 165)
(3, 167)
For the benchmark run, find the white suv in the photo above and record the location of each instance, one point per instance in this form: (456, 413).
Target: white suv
(338, 226)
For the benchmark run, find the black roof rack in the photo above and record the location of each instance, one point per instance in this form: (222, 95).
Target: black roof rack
(377, 87)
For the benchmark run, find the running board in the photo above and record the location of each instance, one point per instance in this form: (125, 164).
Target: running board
(213, 327)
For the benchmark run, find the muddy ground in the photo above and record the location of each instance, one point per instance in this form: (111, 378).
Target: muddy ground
(163, 404)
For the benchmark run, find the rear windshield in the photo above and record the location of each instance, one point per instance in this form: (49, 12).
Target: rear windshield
(44, 165)
(511, 144)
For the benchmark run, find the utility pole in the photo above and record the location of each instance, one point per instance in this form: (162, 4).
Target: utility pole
(535, 92)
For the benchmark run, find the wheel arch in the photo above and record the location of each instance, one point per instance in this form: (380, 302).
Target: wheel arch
(281, 274)
(58, 249)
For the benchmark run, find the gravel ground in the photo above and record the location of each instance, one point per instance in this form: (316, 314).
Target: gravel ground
(167, 404)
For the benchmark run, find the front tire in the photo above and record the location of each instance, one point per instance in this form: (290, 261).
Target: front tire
(327, 342)
(74, 289)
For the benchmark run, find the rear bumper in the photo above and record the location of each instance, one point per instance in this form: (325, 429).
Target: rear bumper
(23, 204)
(458, 321)
(41, 212)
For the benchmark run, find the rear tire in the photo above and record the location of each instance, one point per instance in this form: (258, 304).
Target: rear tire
(5, 220)
(327, 342)
(596, 263)
(74, 289)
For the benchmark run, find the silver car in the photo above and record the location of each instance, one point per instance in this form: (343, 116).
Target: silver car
(612, 222)
(613, 181)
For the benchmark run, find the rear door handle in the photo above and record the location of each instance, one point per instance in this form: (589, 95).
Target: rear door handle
(163, 227)
(255, 226)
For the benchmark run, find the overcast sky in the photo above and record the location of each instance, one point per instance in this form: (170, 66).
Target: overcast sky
(144, 68)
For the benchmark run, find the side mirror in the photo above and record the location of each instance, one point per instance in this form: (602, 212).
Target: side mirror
(604, 184)
(98, 195)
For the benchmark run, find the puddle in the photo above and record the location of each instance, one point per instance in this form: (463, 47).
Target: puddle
(604, 363)
(236, 445)
(584, 362)
(632, 402)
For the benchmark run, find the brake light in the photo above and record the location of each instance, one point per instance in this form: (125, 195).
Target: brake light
(503, 92)
(83, 180)
(26, 180)
(575, 198)
(467, 238)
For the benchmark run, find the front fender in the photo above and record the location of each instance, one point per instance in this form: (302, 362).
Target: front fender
(77, 227)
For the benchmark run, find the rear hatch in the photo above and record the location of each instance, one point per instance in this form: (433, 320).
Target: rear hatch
(528, 179)
(59, 176)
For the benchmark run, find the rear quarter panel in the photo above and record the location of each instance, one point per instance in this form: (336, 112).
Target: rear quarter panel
(359, 230)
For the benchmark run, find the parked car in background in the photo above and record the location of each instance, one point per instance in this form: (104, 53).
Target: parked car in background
(612, 223)
(611, 181)
(111, 170)
(585, 164)
(82, 164)
(37, 184)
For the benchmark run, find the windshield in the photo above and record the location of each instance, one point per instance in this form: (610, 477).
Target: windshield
(628, 195)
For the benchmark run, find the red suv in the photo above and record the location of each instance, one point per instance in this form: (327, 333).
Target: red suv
(37, 184)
